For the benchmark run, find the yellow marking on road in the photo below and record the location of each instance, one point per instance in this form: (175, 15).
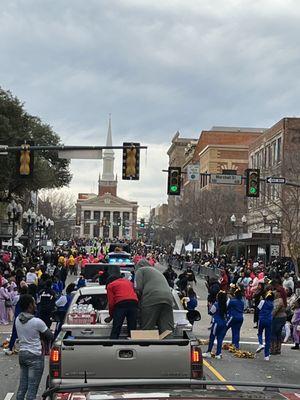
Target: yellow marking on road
(217, 374)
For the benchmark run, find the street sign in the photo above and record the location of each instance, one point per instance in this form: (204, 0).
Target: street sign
(80, 154)
(226, 179)
(193, 172)
(275, 250)
(276, 180)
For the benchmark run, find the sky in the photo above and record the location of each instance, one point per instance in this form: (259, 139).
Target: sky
(157, 66)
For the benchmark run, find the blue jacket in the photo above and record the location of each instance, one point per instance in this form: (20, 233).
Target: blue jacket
(217, 316)
(235, 309)
(192, 303)
(265, 309)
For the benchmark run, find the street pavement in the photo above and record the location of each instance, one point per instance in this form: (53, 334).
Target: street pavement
(281, 369)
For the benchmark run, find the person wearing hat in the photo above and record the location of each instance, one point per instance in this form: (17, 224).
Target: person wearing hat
(4, 296)
(265, 317)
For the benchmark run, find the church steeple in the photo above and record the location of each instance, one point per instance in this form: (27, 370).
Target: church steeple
(108, 183)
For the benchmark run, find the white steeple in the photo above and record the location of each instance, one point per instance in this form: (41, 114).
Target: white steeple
(108, 157)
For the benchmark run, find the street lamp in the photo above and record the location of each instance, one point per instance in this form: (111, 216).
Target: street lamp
(30, 218)
(14, 212)
(41, 224)
(271, 224)
(238, 228)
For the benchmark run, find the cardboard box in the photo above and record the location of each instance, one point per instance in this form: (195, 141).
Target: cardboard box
(149, 335)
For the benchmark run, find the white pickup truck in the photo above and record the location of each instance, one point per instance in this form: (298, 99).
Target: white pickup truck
(84, 352)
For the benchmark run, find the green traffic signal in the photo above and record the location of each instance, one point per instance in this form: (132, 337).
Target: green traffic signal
(174, 188)
(253, 190)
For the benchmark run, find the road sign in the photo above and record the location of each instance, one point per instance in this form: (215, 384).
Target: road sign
(276, 180)
(226, 179)
(275, 249)
(193, 172)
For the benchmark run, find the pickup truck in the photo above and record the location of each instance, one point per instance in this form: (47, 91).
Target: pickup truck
(83, 351)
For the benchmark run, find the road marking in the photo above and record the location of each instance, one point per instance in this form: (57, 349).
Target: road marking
(217, 374)
(9, 396)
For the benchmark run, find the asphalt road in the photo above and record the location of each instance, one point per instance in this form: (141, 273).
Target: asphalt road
(281, 369)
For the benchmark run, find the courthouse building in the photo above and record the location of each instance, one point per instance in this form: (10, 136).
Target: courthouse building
(105, 214)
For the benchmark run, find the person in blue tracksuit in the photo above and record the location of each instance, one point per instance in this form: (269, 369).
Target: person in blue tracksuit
(265, 309)
(218, 329)
(235, 312)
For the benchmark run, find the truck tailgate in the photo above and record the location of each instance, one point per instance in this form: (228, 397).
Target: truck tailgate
(111, 359)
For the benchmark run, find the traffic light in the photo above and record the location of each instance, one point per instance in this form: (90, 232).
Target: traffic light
(25, 161)
(131, 161)
(142, 223)
(119, 221)
(252, 182)
(174, 180)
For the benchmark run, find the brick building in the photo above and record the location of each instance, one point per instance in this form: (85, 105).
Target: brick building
(275, 153)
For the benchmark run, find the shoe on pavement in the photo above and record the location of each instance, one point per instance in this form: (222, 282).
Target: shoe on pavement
(8, 352)
(206, 355)
(218, 357)
(260, 348)
(267, 358)
(296, 347)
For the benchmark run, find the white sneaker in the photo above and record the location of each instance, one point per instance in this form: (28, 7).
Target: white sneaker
(206, 355)
(218, 357)
(260, 348)
(267, 358)
(7, 352)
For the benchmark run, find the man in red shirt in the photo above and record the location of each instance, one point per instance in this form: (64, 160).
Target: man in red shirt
(122, 303)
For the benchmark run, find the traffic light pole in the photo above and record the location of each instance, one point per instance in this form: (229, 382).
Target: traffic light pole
(67, 148)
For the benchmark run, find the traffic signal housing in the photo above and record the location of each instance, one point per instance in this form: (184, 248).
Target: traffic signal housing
(131, 161)
(25, 161)
(252, 182)
(142, 223)
(174, 181)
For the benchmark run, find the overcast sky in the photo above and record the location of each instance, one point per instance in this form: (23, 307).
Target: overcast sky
(158, 66)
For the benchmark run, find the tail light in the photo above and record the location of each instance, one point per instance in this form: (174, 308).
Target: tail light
(196, 362)
(54, 365)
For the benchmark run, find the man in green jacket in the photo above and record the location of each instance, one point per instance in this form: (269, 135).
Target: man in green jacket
(156, 300)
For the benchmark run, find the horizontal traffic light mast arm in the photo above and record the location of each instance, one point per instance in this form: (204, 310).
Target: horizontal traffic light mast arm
(62, 147)
(294, 184)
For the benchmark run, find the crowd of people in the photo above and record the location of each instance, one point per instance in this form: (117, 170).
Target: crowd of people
(34, 293)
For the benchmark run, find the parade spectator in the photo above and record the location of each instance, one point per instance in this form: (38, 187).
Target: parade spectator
(31, 277)
(30, 330)
(279, 317)
(4, 298)
(288, 282)
(296, 325)
(170, 275)
(257, 297)
(46, 303)
(224, 281)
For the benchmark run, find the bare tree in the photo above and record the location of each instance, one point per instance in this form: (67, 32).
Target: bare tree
(282, 204)
(57, 204)
(207, 214)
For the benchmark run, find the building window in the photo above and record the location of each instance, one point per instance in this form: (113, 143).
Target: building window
(115, 231)
(86, 229)
(97, 215)
(87, 214)
(116, 215)
(279, 150)
(274, 158)
(126, 216)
